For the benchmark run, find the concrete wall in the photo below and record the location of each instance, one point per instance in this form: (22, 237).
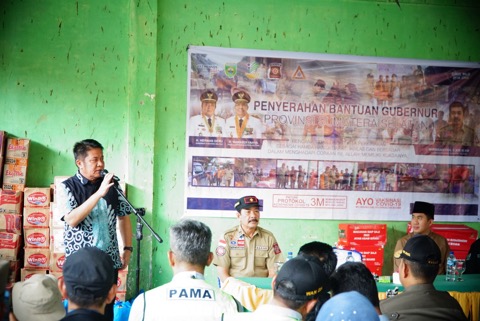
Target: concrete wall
(116, 71)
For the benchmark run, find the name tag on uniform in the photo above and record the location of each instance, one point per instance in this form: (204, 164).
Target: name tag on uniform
(190, 294)
(261, 248)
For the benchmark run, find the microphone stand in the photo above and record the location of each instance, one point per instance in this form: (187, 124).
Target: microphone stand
(139, 212)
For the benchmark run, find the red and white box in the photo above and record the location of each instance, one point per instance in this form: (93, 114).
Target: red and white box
(37, 237)
(122, 281)
(11, 223)
(362, 234)
(459, 237)
(56, 261)
(120, 296)
(25, 274)
(10, 244)
(10, 202)
(37, 258)
(17, 148)
(55, 216)
(36, 217)
(37, 196)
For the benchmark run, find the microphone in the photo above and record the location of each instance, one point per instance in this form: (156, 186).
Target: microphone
(105, 172)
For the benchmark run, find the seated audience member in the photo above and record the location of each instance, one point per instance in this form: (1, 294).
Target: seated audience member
(351, 306)
(187, 296)
(422, 220)
(37, 299)
(89, 283)
(251, 297)
(420, 301)
(296, 288)
(355, 276)
(473, 259)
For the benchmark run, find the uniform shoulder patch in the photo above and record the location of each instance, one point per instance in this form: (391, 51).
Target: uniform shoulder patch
(276, 249)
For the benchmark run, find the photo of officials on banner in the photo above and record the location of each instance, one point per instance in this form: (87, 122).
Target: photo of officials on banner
(335, 137)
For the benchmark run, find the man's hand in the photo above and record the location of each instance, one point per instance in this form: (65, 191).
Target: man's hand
(125, 257)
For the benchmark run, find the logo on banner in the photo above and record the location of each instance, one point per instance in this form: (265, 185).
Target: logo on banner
(230, 70)
(275, 71)
(298, 74)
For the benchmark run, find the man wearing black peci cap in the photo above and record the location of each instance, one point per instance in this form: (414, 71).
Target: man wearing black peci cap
(247, 250)
(421, 221)
(89, 283)
(296, 289)
(420, 301)
(207, 123)
(242, 124)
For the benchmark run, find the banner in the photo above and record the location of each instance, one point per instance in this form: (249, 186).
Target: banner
(330, 136)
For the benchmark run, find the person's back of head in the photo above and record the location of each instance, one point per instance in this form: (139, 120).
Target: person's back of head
(89, 278)
(37, 299)
(190, 241)
(350, 306)
(422, 255)
(299, 281)
(324, 252)
(355, 276)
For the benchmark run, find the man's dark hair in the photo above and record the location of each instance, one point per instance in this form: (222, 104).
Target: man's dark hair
(456, 104)
(425, 272)
(324, 252)
(355, 276)
(81, 148)
(328, 262)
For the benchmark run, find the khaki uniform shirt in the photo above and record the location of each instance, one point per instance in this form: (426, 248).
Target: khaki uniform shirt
(441, 242)
(450, 136)
(247, 257)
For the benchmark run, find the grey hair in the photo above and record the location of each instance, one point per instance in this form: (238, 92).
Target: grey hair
(191, 240)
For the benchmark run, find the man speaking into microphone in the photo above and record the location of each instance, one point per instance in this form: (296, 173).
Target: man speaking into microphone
(90, 208)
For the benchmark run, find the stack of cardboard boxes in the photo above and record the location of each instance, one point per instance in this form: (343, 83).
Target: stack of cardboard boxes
(16, 163)
(36, 218)
(459, 237)
(368, 239)
(11, 230)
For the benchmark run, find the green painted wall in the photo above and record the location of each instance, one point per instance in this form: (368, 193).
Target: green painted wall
(116, 71)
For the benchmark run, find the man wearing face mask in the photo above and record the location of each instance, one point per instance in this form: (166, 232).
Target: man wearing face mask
(242, 124)
(247, 250)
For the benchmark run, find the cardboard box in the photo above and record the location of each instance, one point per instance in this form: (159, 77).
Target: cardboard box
(36, 217)
(57, 180)
(56, 240)
(16, 161)
(362, 234)
(55, 217)
(10, 244)
(122, 281)
(459, 237)
(11, 223)
(57, 274)
(37, 237)
(56, 261)
(36, 196)
(10, 202)
(121, 296)
(25, 274)
(17, 148)
(14, 174)
(37, 258)
(14, 187)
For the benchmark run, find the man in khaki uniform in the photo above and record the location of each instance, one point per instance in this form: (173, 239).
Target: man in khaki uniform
(247, 250)
(422, 220)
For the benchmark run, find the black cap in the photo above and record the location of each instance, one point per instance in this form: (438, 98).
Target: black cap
(88, 273)
(421, 249)
(241, 96)
(425, 208)
(247, 202)
(209, 96)
(320, 83)
(306, 275)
